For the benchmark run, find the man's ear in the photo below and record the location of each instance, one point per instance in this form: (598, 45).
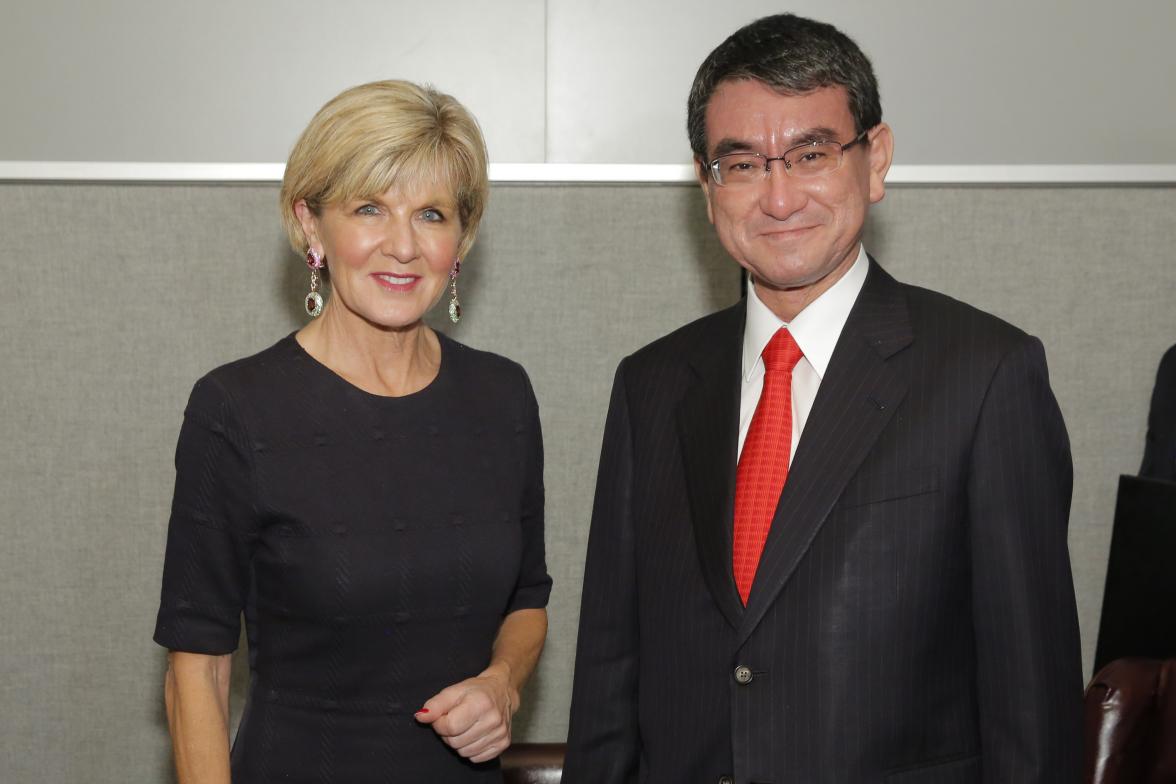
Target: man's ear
(881, 154)
(700, 171)
(309, 222)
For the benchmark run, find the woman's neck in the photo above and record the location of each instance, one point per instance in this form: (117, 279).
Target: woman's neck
(382, 361)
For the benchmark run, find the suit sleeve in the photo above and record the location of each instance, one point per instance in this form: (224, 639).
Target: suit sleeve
(603, 739)
(1029, 675)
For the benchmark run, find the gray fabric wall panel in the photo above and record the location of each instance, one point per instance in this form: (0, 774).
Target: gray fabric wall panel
(117, 297)
(1091, 271)
(114, 297)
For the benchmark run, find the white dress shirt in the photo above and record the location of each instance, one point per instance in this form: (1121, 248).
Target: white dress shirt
(815, 329)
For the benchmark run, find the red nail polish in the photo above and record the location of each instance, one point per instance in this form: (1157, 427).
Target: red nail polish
(423, 710)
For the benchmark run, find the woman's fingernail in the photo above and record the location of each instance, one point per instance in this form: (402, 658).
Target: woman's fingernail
(422, 710)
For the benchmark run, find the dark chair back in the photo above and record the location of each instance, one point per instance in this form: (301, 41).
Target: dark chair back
(1131, 723)
(533, 763)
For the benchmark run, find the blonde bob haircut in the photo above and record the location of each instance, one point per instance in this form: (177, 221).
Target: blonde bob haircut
(380, 134)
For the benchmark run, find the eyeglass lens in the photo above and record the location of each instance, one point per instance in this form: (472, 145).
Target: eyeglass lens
(808, 161)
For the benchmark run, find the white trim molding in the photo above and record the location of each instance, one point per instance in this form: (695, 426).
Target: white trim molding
(114, 171)
(589, 173)
(993, 174)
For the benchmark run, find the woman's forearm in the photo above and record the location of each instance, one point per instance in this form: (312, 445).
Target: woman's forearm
(517, 648)
(197, 697)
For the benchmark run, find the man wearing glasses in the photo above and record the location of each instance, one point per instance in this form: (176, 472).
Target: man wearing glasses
(829, 536)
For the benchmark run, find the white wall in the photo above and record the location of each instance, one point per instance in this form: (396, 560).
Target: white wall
(237, 80)
(573, 81)
(1001, 81)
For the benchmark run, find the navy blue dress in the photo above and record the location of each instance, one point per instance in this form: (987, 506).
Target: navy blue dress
(374, 544)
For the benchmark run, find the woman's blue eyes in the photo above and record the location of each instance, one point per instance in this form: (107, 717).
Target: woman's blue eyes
(430, 214)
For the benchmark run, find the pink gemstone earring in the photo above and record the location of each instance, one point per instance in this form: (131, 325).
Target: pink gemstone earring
(314, 301)
(454, 304)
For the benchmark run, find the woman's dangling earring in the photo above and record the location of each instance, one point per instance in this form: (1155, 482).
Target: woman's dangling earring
(314, 300)
(454, 304)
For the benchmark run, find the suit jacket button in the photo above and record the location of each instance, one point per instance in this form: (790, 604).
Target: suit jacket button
(726, 780)
(743, 675)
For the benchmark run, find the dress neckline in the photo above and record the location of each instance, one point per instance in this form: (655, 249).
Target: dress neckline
(445, 346)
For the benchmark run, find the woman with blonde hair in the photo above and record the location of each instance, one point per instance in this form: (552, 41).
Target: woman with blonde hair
(368, 491)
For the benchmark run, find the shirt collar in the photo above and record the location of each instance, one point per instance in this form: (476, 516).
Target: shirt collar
(815, 329)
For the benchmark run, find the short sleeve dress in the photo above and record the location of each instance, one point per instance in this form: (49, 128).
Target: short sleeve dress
(374, 545)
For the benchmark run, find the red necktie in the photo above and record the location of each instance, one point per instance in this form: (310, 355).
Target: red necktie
(763, 465)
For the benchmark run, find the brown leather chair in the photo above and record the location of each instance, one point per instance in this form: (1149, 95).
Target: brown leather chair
(1131, 723)
(533, 763)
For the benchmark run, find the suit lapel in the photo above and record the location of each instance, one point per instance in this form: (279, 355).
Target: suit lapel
(857, 397)
(708, 430)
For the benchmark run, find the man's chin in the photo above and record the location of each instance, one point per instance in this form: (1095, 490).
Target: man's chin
(782, 275)
(796, 277)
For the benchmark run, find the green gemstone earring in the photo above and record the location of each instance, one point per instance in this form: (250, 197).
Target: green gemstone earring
(314, 301)
(454, 304)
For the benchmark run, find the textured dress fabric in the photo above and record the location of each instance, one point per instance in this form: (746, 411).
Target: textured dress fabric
(374, 544)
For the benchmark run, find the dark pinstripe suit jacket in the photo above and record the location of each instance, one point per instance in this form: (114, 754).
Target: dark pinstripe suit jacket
(913, 617)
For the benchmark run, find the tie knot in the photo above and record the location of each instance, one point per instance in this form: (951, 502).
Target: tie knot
(781, 353)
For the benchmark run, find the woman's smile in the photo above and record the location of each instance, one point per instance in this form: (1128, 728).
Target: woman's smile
(399, 283)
